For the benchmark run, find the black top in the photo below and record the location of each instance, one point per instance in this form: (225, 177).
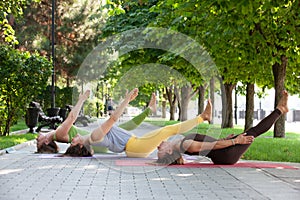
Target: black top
(196, 137)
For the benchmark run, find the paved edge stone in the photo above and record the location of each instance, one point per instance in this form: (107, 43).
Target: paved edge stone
(17, 147)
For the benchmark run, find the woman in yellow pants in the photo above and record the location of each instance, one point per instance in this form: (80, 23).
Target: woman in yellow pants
(119, 140)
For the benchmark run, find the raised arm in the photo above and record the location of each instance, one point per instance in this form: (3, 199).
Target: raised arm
(98, 134)
(61, 133)
(104, 128)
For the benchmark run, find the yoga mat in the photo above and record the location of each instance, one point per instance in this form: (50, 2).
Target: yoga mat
(122, 160)
(206, 165)
(96, 156)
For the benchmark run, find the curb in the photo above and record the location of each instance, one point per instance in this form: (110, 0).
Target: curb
(17, 147)
(19, 132)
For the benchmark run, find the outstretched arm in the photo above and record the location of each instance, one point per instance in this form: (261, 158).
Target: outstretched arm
(196, 146)
(61, 133)
(104, 128)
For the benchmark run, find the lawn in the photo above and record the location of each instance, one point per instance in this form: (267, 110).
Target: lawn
(12, 140)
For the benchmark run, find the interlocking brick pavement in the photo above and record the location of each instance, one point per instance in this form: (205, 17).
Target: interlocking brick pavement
(27, 175)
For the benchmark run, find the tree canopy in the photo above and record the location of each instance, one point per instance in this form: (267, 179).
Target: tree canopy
(249, 42)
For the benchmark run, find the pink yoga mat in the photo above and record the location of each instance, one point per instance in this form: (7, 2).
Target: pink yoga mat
(191, 162)
(205, 165)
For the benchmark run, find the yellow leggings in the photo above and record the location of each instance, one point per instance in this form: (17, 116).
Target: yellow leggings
(141, 147)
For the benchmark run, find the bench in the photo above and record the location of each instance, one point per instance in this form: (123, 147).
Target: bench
(52, 120)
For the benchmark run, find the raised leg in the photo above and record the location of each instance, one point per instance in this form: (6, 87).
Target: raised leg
(143, 146)
(137, 120)
(232, 154)
(264, 125)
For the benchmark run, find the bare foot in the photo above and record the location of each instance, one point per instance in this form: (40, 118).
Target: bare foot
(152, 103)
(206, 114)
(120, 109)
(282, 104)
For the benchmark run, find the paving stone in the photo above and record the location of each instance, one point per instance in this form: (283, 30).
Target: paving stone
(25, 175)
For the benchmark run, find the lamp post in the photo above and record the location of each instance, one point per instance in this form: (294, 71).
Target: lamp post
(53, 111)
(235, 105)
(53, 56)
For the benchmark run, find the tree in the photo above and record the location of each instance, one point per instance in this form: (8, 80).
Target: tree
(241, 35)
(9, 11)
(136, 14)
(18, 89)
(270, 42)
(75, 22)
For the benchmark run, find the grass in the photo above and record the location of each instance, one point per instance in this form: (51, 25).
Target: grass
(265, 147)
(12, 140)
(21, 125)
(268, 148)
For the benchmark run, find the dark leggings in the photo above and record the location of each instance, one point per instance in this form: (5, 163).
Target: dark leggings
(232, 154)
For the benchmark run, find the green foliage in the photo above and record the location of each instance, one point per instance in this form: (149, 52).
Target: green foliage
(24, 76)
(241, 36)
(63, 96)
(76, 24)
(135, 64)
(9, 10)
(127, 15)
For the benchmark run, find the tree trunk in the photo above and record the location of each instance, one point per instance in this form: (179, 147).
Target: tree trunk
(68, 81)
(212, 97)
(164, 105)
(279, 73)
(185, 99)
(201, 99)
(170, 93)
(184, 96)
(249, 106)
(179, 111)
(177, 93)
(227, 120)
(8, 118)
(223, 100)
(172, 111)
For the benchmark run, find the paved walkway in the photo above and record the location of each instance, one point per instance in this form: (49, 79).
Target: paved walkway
(26, 175)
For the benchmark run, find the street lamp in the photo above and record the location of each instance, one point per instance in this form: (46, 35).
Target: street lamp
(53, 56)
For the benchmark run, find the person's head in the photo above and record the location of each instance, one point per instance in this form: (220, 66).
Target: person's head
(51, 147)
(79, 151)
(167, 156)
(78, 148)
(44, 146)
